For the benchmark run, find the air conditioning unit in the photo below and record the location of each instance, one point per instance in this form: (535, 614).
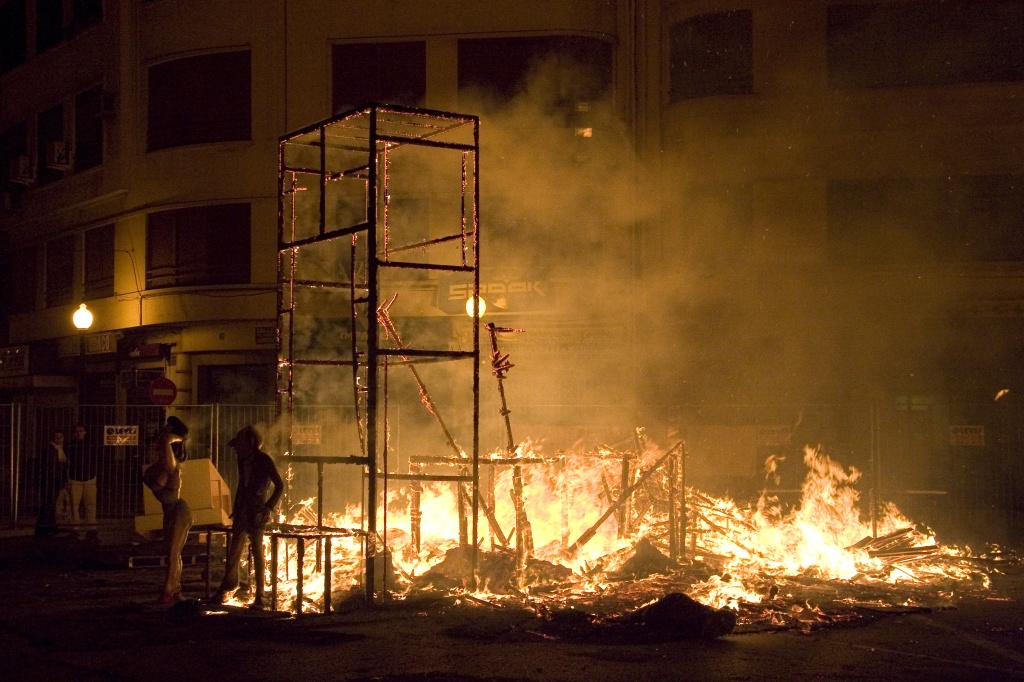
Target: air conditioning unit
(21, 170)
(58, 156)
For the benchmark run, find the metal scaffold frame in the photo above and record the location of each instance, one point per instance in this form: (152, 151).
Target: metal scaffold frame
(325, 171)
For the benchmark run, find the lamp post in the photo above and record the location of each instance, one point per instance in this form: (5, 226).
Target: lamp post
(82, 320)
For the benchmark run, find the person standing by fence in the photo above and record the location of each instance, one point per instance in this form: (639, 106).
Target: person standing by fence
(83, 464)
(52, 477)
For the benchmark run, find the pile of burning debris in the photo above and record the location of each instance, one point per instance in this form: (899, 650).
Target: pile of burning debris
(649, 595)
(676, 562)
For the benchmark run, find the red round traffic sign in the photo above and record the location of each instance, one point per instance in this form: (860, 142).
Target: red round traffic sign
(162, 391)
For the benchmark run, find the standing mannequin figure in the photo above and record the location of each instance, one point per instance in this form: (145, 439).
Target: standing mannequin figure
(163, 477)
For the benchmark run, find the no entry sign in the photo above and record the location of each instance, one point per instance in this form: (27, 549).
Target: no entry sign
(162, 391)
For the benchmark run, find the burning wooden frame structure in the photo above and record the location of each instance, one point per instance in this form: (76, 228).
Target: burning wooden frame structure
(345, 228)
(343, 233)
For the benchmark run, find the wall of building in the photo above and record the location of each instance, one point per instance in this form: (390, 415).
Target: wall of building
(290, 47)
(713, 279)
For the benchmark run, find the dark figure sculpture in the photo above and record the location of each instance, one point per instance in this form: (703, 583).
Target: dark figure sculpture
(252, 510)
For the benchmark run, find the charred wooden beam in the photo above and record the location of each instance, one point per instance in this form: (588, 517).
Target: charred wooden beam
(902, 536)
(905, 554)
(416, 511)
(724, 531)
(463, 510)
(681, 458)
(590, 532)
(622, 516)
(524, 533)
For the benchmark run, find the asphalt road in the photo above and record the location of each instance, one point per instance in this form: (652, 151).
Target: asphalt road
(67, 614)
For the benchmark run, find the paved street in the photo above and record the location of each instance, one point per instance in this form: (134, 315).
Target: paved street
(70, 613)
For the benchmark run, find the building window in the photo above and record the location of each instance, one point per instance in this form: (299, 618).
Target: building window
(24, 280)
(725, 210)
(99, 262)
(501, 68)
(85, 13)
(89, 128)
(200, 99)
(990, 213)
(890, 220)
(237, 384)
(205, 245)
(13, 144)
(60, 270)
(977, 218)
(49, 134)
(49, 24)
(886, 45)
(711, 54)
(13, 35)
(388, 73)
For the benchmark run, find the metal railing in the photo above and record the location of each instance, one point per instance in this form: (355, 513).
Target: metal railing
(905, 455)
(121, 438)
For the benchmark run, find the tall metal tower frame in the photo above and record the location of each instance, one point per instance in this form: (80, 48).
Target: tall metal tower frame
(334, 195)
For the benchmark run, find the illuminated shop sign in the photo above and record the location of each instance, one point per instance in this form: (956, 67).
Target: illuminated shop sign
(513, 295)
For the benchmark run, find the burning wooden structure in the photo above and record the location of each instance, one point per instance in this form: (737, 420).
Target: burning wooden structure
(365, 196)
(576, 527)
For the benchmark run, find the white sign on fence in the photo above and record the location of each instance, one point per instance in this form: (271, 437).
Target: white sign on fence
(305, 434)
(121, 435)
(973, 436)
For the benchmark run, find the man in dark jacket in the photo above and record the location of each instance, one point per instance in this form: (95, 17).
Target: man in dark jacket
(253, 508)
(52, 477)
(83, 463)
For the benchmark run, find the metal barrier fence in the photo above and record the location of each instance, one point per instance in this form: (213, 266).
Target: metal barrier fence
(121, 439)
(949, 465)
(124, 438)
(10, 460)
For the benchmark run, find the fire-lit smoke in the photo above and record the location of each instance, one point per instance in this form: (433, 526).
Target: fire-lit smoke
(637, 296)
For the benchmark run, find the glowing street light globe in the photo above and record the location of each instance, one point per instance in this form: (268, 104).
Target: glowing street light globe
(82, 317)
(470, 306)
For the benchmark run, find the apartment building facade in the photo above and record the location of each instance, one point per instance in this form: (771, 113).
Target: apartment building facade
(791, 203)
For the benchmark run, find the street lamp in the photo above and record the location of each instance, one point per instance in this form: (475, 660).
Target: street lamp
(471, 308)
(82, 320)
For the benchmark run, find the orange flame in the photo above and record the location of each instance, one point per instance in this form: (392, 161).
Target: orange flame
(566, 494)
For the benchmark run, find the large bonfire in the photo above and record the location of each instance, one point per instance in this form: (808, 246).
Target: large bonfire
(606, 548)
